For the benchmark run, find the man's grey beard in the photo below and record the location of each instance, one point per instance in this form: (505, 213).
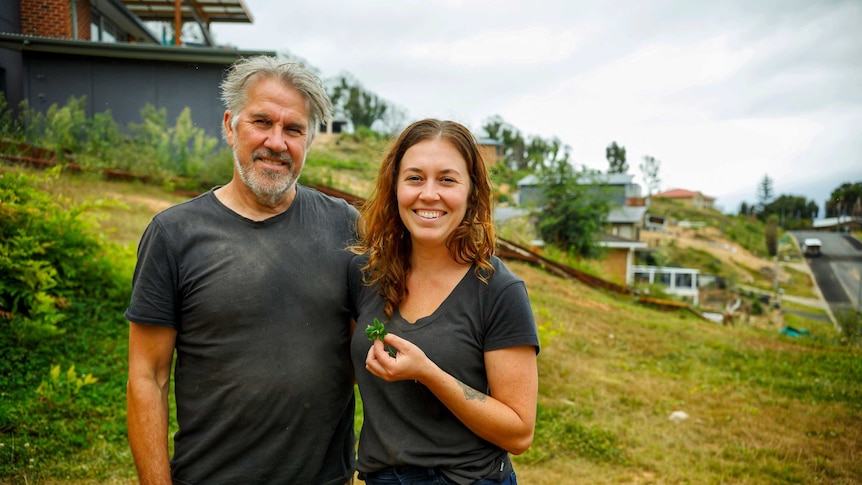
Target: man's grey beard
(271, 194)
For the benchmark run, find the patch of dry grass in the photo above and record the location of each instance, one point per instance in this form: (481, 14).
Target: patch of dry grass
(121, 209)
(622, 369)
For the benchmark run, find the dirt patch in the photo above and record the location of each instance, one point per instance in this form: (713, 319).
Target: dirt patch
(712, 241)
(594, 305)
(151, 203)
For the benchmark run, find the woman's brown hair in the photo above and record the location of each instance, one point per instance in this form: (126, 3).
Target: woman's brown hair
(382, 234)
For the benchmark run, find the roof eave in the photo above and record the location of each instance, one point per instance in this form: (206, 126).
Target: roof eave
(211, 55)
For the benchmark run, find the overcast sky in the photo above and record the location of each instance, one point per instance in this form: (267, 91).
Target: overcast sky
(720, 92)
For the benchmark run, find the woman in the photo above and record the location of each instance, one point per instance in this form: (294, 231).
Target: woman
(458, 392)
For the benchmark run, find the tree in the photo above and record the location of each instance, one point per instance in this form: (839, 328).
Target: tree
(392, 122)
(514, 147)
(764, 193)
(571, 214)
(616, 156)
(522, 153)
(363, 108)
(845, 200)
(793, 211)
(649, 171)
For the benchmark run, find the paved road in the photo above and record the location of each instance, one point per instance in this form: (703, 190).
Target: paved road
(838, 270)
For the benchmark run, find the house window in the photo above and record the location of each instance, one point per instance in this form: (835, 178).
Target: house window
(664, 278)
(102, 29)
(683, 280)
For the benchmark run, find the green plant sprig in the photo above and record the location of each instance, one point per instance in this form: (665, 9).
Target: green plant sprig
(378, 331)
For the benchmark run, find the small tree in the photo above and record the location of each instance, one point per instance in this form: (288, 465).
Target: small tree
(649, 170)
(765, 192)
(514, 145)
(361, 106)
(572, 214)
(850, 323)
(616, 156)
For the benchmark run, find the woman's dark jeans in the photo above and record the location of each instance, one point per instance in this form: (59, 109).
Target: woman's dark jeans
(410, 475)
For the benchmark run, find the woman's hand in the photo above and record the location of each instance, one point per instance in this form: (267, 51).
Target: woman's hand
(506, 416)
(410, 362)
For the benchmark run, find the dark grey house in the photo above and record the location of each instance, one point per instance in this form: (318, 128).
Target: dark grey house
(51, 50)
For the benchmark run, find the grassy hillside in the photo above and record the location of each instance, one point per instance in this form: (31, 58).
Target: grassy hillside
(761, 408)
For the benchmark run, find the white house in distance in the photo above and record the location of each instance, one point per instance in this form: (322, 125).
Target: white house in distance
(677, 281)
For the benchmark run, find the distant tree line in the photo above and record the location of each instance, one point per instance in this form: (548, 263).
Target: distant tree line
(796, 212)
(846, 200)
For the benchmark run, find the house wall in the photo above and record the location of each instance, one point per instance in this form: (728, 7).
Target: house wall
(84, 20)
(689, 201)
(614, 194)
(10, 17)
(530, 196)
(628, 231)
(50, 18)
(125, 86)
(614, 265)
(697, 201)
(11, 64)
(492, 154)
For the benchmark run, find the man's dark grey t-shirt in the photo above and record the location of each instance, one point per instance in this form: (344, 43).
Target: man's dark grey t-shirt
(263, 380)
(404, 422)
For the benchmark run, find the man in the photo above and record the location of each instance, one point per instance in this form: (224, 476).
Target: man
(248, 283)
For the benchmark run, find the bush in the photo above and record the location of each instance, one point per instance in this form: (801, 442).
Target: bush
(757, 308)
(850, 322)
(63, 290)
(182, 154)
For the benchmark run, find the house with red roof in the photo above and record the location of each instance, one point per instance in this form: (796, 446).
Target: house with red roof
(688, 197)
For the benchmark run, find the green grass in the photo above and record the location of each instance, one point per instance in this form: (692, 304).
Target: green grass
(763, 408)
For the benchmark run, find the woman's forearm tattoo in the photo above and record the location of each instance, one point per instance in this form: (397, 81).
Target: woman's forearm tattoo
(470, 393)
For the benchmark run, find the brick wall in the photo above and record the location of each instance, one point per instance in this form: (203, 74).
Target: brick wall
(53, 18)
(83, 7)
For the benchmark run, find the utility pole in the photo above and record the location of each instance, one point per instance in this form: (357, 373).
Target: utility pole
(775, 280)
(784, 239)
(859, 295)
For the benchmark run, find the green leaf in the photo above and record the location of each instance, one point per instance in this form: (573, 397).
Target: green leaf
(376, 331)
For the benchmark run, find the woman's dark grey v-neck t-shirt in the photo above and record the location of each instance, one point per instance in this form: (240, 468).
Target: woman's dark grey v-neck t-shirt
(404, 423)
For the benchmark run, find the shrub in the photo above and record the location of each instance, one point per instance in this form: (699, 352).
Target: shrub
(151, 150)
(850, 322)
(63, 290)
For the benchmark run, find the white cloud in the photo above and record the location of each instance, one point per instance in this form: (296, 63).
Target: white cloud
(533, 45)
(720, 92)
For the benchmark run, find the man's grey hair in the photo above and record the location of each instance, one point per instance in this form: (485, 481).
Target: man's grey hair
(234, 88)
